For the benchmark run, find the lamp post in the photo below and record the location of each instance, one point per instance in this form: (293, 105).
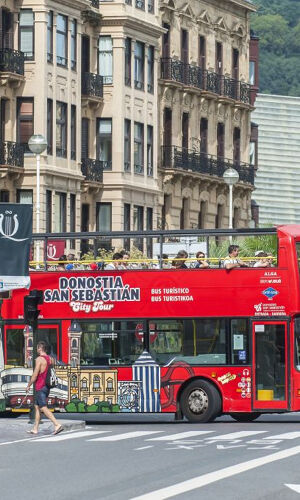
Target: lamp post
(37, 144)
(231, 177)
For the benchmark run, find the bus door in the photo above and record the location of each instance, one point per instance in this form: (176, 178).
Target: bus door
(270, 365)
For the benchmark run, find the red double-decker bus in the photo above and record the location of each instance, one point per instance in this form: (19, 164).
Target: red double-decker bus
(196, 342)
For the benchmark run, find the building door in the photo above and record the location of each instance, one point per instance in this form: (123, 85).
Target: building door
(270, 362)
(85, 138)
(220, 141)
(166, 42)
(203, 135)
(6, 29)
(167, 147)
(219, 58)
(185, 55)
(85, 54)
(236, 146)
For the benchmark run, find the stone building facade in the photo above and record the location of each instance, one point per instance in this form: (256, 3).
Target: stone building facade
(143, 106)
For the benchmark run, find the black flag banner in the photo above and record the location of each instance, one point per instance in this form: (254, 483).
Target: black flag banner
(15, 241)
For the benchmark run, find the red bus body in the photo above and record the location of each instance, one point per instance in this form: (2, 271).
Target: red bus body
(268, 299)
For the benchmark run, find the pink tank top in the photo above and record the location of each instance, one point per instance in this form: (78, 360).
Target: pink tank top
(41, 378)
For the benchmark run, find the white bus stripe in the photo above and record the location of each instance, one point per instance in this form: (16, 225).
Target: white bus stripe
(180, 435)
(71, 435)
(286, 435)
(126, 435)
(234, 435)
(212, 477)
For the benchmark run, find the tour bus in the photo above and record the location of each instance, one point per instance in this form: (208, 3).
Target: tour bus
(196, 342)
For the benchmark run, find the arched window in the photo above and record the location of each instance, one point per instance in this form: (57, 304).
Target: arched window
(110, 384)
(84, 383)
(96, 384)
(74, 343)
(74, 381)
(29, 342)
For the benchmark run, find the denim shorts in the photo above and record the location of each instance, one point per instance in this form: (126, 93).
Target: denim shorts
(41, 396)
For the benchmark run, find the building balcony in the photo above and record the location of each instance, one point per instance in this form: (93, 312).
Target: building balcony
(11, 156)
(174, 157)
(92, 170)
(92, 87)
(204, 80)
(12, 64)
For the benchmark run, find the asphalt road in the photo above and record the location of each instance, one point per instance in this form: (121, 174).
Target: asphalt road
(152, 457)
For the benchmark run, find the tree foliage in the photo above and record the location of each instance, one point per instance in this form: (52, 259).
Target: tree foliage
(277, 23)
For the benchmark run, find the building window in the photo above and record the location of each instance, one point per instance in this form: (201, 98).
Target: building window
(103, 216)
(105, 59)
(73, 216)
(104, 142)
(235, 64)
(104, 222)
(84, 383)
(220, 141)
(49, 126)
(50, 37)
(151, 6)
(73, 132)
(150, 150)
(139, 52)
(48, 211)
(219, 58)
(61, 129)
(252, 72)
(252, 153)
(138, 148)
(202, 215)
(138, 225)
(96, 384)
(26, 33)
(236, 146)
(128, 62)
(25, 196)
(24, 121)
(149, 227)
(61, 40)
(202, 52)
(127, 145)
(150, 82)
(109, 386)
(185, 131)
(127, 224)
(73, 44)
(4, 196)
(85, 127)
(60, 212)
(74, 381)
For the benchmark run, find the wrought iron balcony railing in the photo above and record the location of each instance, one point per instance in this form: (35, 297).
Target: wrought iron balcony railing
(202, 163)
(12, 61)
(12, 154)
(92, 85)
(195, 76)
(92, 170)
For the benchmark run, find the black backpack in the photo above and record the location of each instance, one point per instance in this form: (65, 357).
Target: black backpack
(51, 377)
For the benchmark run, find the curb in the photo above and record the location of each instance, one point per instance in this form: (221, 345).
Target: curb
(22, 424)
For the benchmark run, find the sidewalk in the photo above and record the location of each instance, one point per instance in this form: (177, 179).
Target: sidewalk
(14, 429)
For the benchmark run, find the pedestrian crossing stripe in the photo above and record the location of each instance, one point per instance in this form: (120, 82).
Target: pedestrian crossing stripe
(95, 436)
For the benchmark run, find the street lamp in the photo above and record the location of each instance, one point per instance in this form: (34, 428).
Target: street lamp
(37, 144)
(231, 177)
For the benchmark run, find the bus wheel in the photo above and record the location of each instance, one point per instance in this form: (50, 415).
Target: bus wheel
(245, 417)
(200, 401)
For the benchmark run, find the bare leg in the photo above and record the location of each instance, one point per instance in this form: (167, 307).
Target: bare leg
(51, 417)
(36, 420)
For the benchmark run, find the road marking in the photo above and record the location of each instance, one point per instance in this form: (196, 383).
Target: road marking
(126, 435)
(143, 447)
(18, 441)
(294, 487)
(212, 477)
(287, 435)
(73, 435)
(179, 436)
(234, 435)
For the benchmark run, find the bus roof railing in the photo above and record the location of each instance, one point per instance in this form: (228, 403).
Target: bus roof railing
(155, 234)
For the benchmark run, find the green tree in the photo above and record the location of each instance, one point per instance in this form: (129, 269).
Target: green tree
(273, 31)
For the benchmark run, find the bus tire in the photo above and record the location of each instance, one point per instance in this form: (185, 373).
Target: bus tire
(245, 417)
(200, 401)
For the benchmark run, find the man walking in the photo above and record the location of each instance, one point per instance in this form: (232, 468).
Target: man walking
(42, 363)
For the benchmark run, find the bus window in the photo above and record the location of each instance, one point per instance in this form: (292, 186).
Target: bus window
(197, 342)
(49, 335)
(111, 342)
(239, 342)
(14, 347)
(298, 254)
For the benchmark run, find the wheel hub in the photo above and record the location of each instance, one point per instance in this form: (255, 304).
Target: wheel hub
(198, 401)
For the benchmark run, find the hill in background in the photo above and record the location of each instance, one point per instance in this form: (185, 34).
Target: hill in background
(277, 23)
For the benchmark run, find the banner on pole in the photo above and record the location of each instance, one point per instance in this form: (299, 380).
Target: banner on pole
(15, 240)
